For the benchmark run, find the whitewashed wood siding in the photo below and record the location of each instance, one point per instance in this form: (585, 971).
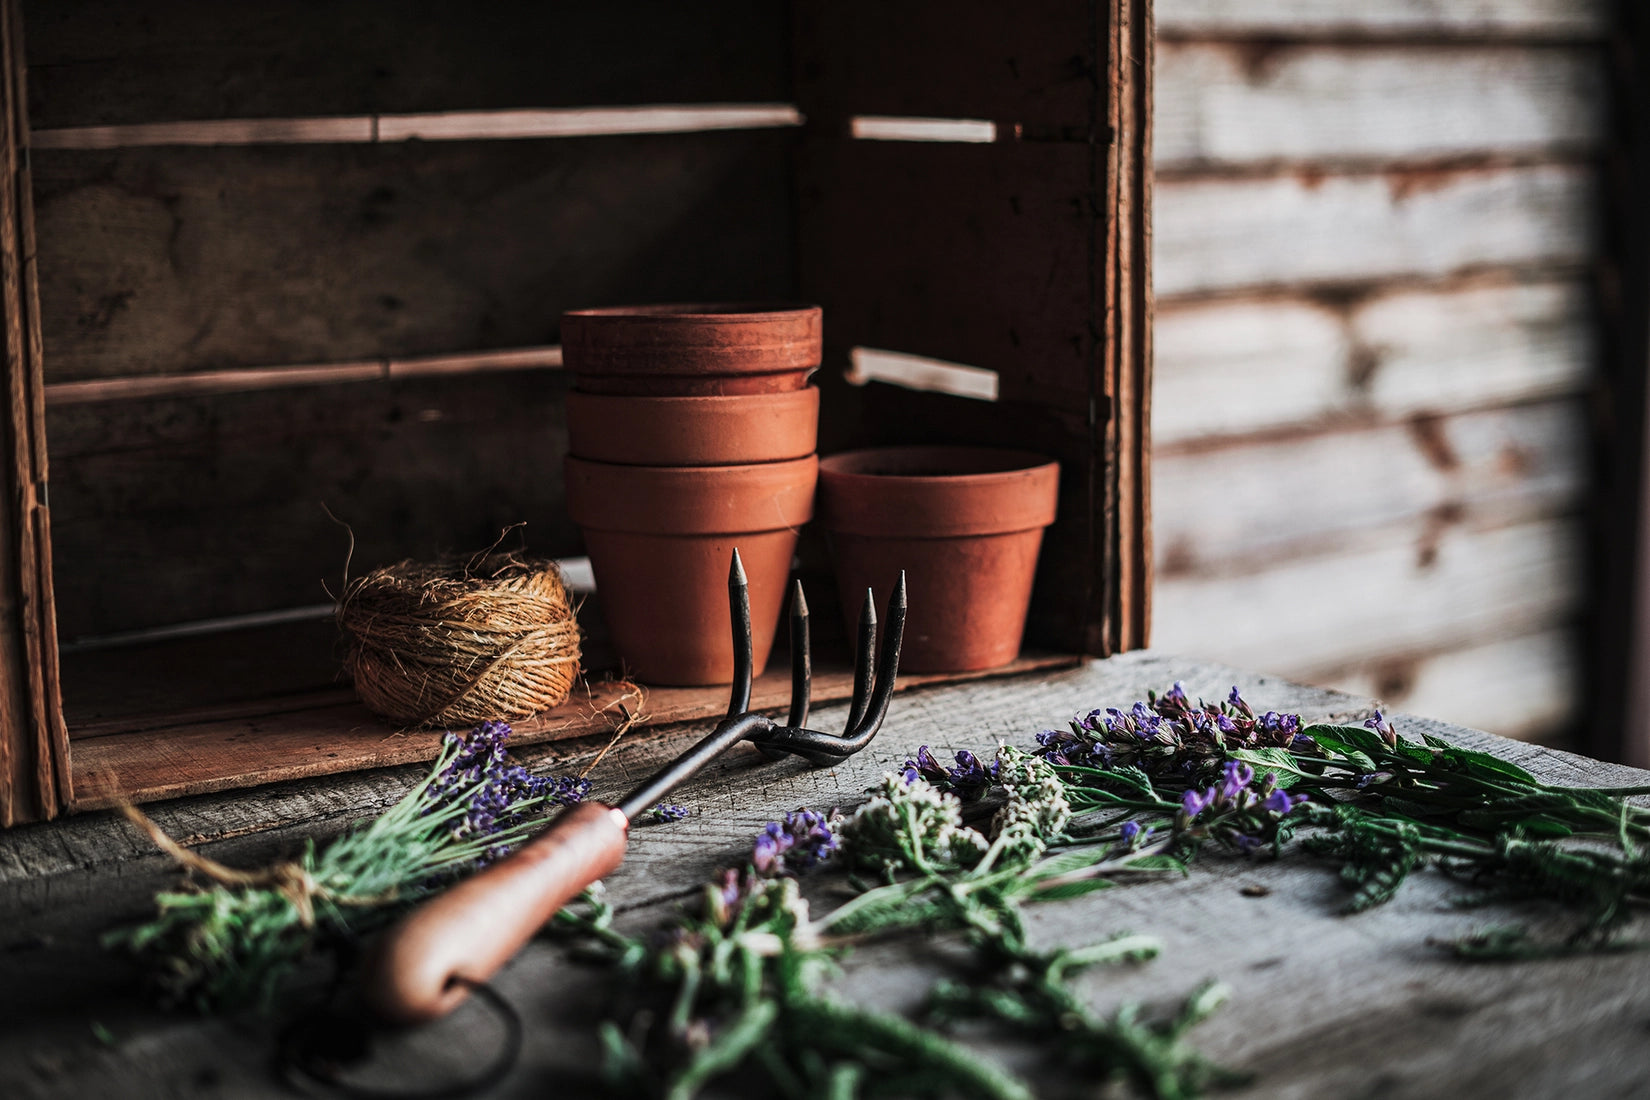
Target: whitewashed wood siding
(1374, 229)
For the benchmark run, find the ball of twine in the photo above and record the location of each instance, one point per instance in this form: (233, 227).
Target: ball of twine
(460, 642)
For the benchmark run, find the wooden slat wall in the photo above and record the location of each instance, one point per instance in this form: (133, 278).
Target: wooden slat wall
(1374, 228)
(167, 260)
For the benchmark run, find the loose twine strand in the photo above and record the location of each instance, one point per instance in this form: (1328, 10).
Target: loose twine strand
(291, 880)
(460, 642)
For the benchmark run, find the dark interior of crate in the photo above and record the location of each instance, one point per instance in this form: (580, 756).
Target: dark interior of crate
(199, 512)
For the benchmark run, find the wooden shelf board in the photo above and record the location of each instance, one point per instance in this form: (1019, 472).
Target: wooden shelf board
(296, 737)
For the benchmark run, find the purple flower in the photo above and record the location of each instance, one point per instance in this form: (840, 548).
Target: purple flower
(1130, 830)
(1237, 777)
(1279, 725)
(1194, 802)
(804, 838)
(969, 780)
(1281, 802)
(1236, 702)
(1380, 725)
(666, 812)
(1176, 697)
(1248, 844)
(495, 792)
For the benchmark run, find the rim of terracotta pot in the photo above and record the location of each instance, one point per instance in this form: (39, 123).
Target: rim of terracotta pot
(691, 500)
(937, 491)
(646, 430)
(694, 338)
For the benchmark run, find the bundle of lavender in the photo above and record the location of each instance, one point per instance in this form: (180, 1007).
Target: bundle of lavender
(1378, 804)
(230, 942)
(739, 988)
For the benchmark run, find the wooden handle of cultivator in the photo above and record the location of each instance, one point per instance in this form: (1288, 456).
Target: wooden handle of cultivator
(424, 966)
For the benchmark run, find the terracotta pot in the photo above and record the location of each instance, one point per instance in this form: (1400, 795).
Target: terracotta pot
(965, 523)
(660, 539)
(693, 431)
(701, 350)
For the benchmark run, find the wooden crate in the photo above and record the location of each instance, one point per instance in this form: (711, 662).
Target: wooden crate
(258, 259)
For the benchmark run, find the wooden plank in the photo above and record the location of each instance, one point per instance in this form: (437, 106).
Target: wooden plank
(1126, 321)
(1277, 499)
(158, 758)
(200, 507)
(160, 261)
(34, 778)
(1386, 1008)
(1527, 687)
(513, 124)
(1222, 235)
(1581, 19)
(1231, 368)
(102, 62)
(1225, 104)
(241, 379)
(1425, 587)
(1032, 63)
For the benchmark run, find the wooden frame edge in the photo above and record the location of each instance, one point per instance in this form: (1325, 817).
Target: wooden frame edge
(1123, 134)
(35, 781)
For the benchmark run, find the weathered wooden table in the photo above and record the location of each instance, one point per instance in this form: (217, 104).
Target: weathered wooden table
(1323, 1005)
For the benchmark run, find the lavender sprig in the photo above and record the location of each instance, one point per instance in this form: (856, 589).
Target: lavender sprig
(665, 813)
(798, 843)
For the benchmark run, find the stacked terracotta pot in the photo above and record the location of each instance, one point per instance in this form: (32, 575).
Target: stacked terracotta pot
(692, 431)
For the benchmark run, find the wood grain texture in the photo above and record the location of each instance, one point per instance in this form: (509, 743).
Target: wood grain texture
(1420, 587)
(1526, 686)
(1584, 19)
(191, 508)
(167, 756)
(1249, 366)
(1032, 63)
(34, 777)
(1229, 104)
(1283, 498)
(1386, 1009)
(102, 62)
(1222, 235)
(172, 260)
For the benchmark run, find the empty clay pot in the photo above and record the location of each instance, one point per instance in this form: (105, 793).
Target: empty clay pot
(700, 350)
(966, 525)
(660, 539)
(693, 431)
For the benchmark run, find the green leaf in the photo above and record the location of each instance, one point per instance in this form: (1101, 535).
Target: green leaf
(1072, 889)
(1485, 766)
(1158, 863)
(1285, 763)
(1348, 739)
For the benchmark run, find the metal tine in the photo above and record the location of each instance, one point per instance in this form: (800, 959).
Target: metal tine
(802, 669)
(864, 660)
(826, 748)
(740, 725)
(744, 659)
(859, 734)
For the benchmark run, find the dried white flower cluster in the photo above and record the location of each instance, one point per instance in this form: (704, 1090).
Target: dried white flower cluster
(911, 825)
(1036, 810)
